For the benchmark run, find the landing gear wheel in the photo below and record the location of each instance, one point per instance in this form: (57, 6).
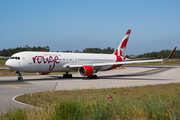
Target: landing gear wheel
(95, 76)
(64, 75)
(92, 76)
(20, 78)
(70, 75)
(19, 74)
(67, 75)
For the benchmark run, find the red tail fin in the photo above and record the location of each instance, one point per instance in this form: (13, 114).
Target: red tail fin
(122, 46)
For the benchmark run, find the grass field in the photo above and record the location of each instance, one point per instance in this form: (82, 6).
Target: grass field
(133, 103)
(2, 63)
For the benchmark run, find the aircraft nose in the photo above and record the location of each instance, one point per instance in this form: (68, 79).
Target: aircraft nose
(10, 64)
(7, 63)
(13, 64)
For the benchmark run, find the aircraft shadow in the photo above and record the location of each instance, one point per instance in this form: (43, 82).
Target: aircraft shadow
(119, 77)
(144, 73)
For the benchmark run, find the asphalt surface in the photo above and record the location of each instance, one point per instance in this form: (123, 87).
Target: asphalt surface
(3, 67)
(130, 76)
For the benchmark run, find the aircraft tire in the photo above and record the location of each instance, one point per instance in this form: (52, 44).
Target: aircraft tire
(20, 78)
(67, 75)
(64, 76)
(95, 76)
(92, 76)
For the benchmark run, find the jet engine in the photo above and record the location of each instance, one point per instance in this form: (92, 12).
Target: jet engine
(86, 70)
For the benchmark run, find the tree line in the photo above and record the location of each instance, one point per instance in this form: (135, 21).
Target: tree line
(11, 51)
(161, 54)
(108, 50)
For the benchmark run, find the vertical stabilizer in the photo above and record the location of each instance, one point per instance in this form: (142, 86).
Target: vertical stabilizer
(122, 46)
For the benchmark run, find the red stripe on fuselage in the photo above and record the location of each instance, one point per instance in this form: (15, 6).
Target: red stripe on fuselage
(118, 59)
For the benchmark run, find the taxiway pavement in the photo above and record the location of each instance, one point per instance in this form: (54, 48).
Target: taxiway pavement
(3, 67)
(130, 76)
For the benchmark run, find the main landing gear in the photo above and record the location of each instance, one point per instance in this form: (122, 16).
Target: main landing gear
(19, 74)
(92, 76)
(67, 75)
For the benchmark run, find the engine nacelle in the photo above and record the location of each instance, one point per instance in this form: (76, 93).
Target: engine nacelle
(86, 70)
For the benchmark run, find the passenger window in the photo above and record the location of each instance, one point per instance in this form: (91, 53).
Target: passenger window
(17, 58)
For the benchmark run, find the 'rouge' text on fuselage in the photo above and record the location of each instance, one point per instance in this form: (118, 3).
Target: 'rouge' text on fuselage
(42, 59)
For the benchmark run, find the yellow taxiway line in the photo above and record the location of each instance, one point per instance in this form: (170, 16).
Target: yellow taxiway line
(174, 73)
(84, 83)
(11, 86)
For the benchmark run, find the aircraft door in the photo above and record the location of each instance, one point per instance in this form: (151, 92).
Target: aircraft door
(30, 59)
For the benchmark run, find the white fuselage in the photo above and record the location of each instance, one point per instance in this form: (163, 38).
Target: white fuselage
(56, 61)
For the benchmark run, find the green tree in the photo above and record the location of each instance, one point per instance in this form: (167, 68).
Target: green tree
(11, 51)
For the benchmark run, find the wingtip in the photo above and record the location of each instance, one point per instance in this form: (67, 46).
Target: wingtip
(170, 56)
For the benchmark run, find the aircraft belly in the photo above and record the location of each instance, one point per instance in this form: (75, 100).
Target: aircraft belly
(35, 68)
(105, 67)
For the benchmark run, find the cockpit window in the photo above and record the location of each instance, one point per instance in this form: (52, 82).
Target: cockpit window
(17, 58)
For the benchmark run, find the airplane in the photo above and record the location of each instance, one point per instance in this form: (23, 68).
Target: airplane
(86, 64)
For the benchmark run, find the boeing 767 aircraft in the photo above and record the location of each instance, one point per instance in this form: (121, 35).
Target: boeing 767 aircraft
(86, 64)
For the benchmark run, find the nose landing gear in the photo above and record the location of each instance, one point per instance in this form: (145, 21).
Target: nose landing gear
(19, 74)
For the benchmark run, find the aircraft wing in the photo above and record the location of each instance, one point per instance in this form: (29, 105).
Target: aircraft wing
(112, 63)
(120, 63)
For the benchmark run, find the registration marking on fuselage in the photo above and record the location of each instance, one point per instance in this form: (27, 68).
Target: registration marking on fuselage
(84, 83)
(11, 86)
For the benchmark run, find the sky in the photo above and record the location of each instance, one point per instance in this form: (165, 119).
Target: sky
(78, 24)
